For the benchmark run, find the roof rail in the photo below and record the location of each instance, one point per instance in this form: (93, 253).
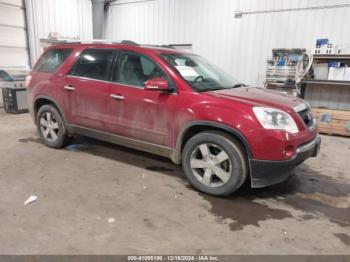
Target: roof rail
(162, 46)
(129, 42)
(168, 46)
(172, 46)
(93, 41)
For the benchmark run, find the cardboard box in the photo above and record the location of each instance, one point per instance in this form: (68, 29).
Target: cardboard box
(342, 49)
(347, 74)
(336, 73)
(321, 71)
(324, 47)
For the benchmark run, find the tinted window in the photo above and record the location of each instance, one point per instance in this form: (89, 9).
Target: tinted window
(93, 63)
(52, 59)
(135, 70)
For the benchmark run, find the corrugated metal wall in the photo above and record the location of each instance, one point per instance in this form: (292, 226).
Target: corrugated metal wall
(328, 96)
(70, 18)
(240, 46)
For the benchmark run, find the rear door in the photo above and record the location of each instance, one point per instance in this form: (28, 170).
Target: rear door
(135, 112)
(88, 88)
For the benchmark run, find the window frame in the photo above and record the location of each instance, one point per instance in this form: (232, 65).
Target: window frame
(47, 51)
(117, 63)
(115, 52)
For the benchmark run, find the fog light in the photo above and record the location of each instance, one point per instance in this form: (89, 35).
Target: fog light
(289, 151)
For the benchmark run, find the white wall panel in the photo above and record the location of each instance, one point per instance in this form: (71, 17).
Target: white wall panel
(11, 14)
(13, 58)
(13, 44)
(69, 18)
(240, 46)
(13, 2)
(13, 37)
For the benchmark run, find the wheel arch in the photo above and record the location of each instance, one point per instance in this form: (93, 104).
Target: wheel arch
(196, 127)
(44, 100)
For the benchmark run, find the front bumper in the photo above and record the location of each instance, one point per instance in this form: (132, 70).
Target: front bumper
(265, 173)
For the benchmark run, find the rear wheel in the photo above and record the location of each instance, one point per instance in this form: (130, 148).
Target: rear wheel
(214, 163)
(51, 127)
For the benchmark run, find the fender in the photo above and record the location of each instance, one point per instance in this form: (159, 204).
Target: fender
(53, 101)
(177, 153)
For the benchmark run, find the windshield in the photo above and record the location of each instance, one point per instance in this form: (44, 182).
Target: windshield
(199, 73)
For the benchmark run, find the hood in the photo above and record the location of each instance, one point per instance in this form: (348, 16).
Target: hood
(259, 97)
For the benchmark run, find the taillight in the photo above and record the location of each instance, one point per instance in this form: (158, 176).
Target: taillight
(27, 81)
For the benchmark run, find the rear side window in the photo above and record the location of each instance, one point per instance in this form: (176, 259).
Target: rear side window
(50, 61)
(93, 63)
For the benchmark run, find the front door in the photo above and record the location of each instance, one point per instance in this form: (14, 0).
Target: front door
(88, 87)
(135, 112)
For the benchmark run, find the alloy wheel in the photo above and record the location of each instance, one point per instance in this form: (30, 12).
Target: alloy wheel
(211, 165)
(49, 126)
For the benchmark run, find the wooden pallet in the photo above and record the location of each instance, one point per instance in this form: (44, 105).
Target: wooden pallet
(332, 122)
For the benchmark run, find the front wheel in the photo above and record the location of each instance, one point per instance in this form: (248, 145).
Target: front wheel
(51, 127)
(214, 163)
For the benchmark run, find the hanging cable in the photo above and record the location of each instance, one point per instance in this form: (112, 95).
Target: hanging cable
(302, 69)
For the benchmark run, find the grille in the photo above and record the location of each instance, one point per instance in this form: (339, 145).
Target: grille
(306, 116)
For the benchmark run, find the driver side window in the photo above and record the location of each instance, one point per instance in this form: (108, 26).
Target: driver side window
(134, 69)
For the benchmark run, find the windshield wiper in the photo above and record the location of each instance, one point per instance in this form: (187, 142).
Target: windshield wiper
(220, 88)
(209, 89)
(239, 85)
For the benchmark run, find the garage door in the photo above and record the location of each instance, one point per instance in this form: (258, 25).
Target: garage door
(13, 41)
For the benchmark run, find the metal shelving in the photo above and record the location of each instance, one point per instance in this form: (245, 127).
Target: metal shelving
(329, 98)
(325, 82)
(332, 57)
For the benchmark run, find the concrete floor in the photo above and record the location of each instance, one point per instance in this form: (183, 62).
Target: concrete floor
(155, 210)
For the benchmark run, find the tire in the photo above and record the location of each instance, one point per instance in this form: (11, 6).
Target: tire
(51, 128)
(202, 169)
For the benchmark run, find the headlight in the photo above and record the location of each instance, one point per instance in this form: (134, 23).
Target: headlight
(271, 118)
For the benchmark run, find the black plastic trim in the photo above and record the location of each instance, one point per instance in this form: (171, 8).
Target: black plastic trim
(265, 173)
(121, 140)
(53, 101)
(231, 130)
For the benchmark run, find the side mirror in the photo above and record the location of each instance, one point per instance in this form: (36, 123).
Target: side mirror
(157, 84)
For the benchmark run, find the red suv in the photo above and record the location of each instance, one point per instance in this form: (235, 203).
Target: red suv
(175, 104)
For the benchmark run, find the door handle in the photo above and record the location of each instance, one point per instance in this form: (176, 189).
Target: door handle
(69, 88)
(118, 97)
